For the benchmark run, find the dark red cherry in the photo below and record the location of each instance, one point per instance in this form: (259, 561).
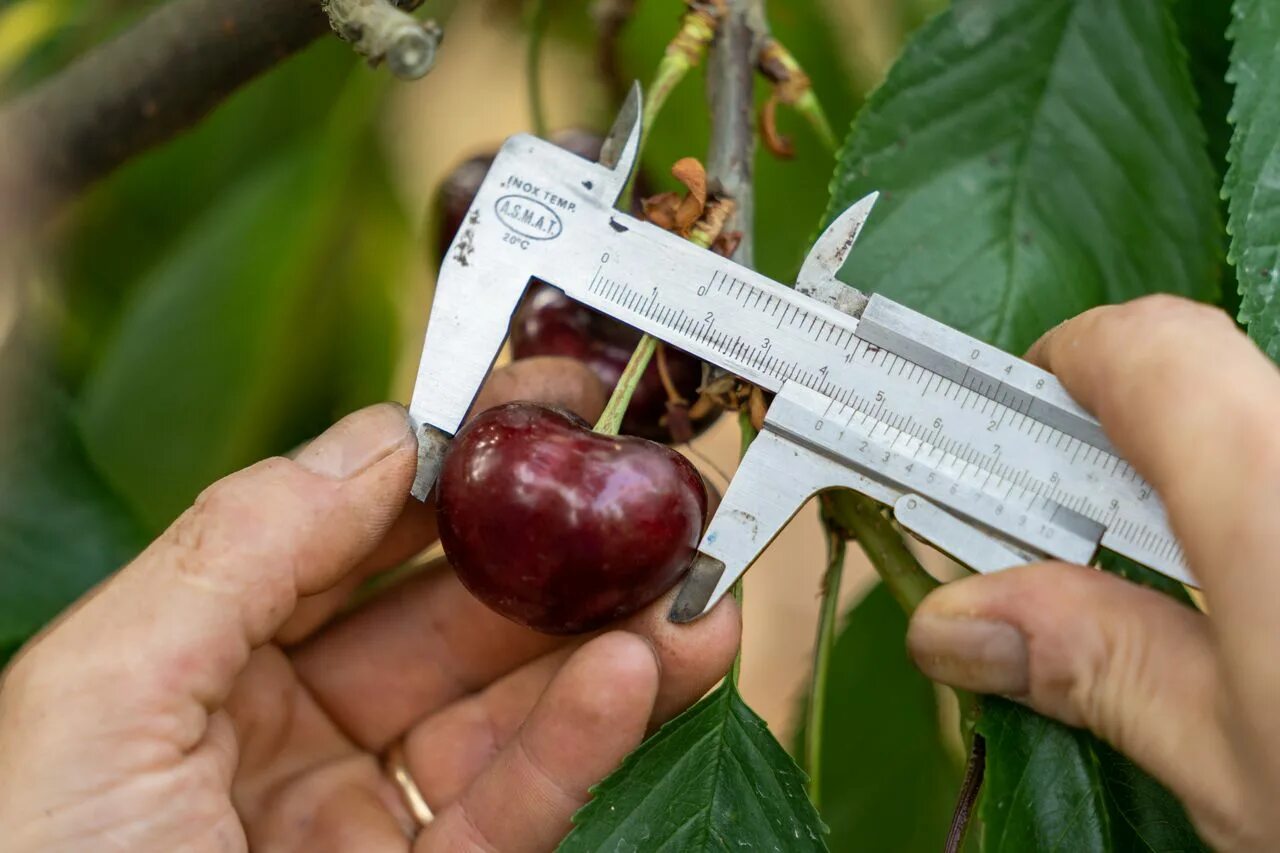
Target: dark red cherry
(560, 528)
(550, 323)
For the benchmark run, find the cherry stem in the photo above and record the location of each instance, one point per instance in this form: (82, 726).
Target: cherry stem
(611, 418)
(810, 108)
(684, 53)
(792, 86)
(898, 568)
(533, 60)
(748, 433)
(823, 647)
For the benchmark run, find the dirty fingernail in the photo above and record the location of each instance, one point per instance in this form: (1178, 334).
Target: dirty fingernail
(976, 654)
(357, 442)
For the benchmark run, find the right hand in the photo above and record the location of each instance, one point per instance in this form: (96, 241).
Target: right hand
(1192, 697)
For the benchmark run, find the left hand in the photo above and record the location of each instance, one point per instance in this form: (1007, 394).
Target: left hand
(208, 696)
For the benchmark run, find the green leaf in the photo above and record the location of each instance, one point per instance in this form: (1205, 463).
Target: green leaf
(125, 227)
(1139, 574)
(269, 317)
(1202, 25)
(1252, 185)
(714, 778)
(1037, 157)
(61, 529)
(202, 371)
(888, 781)
(1053, 788)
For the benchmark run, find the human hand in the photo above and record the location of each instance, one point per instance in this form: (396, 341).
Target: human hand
(1193, 405)
(211, 696)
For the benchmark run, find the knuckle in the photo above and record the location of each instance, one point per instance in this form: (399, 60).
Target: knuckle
(1118, 665)
(471, 831)
(1168, 318)
(230, 512)
(1085, 677)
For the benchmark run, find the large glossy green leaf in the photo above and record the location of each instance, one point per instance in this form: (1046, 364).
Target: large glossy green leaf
(714, 778)
(790, 194)
(1202, 25)
(1052, 788)
(1253, 180)
(1139, 574)
(1037, 157)
(61, 528)
(258, 325)
(888, 781)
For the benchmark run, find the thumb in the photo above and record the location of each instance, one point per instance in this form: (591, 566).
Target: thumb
(169, 634)
(1095, 651)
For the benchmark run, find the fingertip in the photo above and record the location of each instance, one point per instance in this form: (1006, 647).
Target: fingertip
(693, 656)
(358, 442)
(627, 662)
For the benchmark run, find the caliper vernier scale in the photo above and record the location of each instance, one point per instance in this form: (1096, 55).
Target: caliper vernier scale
(978, 453)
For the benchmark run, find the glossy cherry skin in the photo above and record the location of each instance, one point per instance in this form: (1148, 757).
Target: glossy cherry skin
(562, 529)
(550, 323)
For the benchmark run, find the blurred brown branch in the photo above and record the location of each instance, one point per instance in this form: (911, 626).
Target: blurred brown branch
(611, 17)
(162, 76)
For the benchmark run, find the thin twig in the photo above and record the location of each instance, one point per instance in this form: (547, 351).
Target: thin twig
(968, 796)
(730, 69)
(901, 572)
(157, 79)
(730, 94)
(823, 646)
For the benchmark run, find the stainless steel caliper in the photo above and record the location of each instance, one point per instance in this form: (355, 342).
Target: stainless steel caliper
(979, 453)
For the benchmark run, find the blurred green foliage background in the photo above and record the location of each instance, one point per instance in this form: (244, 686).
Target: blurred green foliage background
(226, 296)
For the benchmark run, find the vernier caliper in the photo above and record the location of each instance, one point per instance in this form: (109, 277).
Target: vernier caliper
(979, 453)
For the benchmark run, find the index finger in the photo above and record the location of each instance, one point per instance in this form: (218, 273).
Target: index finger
(1193, 405)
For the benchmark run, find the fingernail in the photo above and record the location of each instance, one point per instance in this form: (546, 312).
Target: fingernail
(357, 442)
(977, 654)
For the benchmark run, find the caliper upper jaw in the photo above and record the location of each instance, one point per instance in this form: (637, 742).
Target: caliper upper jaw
(622, 145)
(817, 277)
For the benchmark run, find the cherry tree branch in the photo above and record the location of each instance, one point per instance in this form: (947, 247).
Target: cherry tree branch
(731, 95)
(165, 74)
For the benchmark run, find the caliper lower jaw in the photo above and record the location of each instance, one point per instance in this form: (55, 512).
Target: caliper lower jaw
(776, 477)
(432, 444)
(779, 474)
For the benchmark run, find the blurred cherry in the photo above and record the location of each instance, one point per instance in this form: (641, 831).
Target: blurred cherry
(550, 323)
